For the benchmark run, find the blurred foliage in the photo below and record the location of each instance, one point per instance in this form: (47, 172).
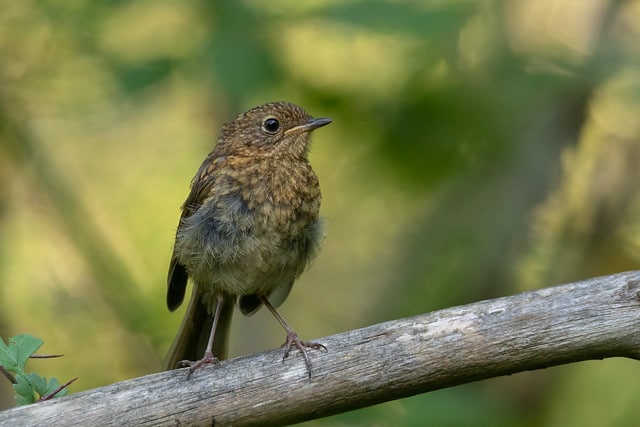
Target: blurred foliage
(478, 149)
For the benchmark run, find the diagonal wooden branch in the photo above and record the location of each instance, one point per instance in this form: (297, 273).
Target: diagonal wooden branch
(592, 319)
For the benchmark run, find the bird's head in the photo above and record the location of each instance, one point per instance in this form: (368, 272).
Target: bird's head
(273, 129)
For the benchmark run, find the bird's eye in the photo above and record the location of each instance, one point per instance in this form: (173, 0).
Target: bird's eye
(271, 125)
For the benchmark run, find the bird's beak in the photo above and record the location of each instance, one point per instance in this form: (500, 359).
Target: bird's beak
(309, 126)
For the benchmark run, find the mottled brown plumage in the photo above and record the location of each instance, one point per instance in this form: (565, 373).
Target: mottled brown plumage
(249, 227)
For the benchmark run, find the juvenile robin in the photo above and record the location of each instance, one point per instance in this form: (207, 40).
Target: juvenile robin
(248, 229)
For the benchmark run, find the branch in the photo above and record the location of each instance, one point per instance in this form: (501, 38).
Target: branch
(592, 319)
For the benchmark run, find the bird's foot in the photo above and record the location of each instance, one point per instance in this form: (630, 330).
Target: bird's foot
(207, 359)
(293, 341)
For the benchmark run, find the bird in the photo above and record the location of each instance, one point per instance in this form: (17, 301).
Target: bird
(248, 228)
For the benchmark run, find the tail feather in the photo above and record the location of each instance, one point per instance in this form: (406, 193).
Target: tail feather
(193, 335)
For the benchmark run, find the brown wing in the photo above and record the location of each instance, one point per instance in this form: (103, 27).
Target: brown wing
(200, 186)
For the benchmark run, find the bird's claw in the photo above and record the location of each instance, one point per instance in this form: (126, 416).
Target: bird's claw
(207, 359)
(294, 341)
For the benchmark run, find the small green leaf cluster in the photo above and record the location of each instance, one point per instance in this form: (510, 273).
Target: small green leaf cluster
(30, 387)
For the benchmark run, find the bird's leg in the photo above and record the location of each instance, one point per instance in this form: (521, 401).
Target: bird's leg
(292, 337)
(208, 357)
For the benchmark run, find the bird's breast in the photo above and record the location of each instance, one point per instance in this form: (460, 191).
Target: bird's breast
(257, 229)
(285, 198)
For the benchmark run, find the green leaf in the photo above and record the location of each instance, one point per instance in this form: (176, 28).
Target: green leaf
(24, 391)
(14, 356)
(26, 346)
(31, 387)
(38, 383)
(44, 387)
(5, 360)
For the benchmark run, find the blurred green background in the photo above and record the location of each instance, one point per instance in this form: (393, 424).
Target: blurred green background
(479, 149)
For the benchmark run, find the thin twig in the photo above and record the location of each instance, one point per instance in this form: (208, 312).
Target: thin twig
(45, 356)
(8, 374)
(56, 391)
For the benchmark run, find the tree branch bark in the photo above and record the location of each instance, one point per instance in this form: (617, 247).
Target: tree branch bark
(591, 319)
